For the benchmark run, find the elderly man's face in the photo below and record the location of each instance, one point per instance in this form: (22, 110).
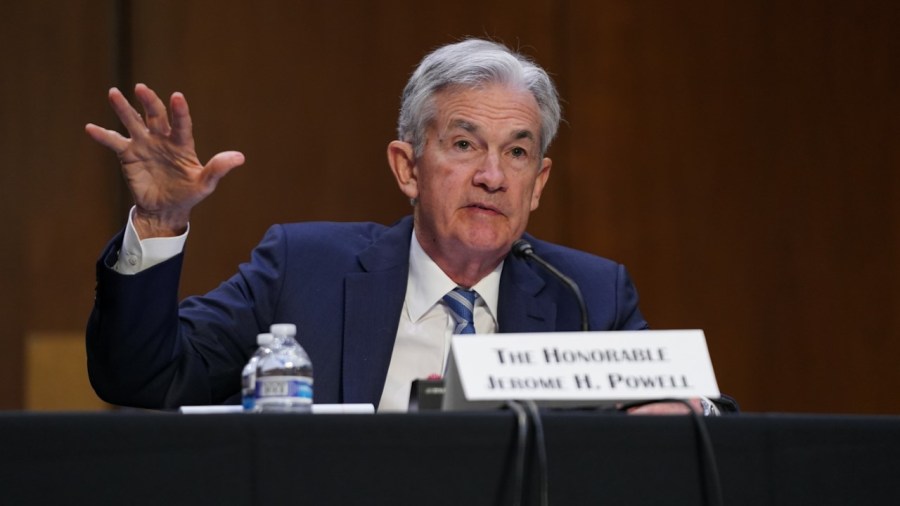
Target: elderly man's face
(480, 173)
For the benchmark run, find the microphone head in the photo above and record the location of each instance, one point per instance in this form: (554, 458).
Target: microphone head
(522, 248)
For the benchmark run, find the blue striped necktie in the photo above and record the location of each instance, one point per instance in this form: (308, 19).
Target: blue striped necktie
(461, 303)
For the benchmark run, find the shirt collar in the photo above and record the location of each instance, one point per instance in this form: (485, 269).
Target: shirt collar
(427, 283)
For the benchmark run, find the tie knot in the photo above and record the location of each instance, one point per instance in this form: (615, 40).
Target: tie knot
(468, 295)
(461, 303)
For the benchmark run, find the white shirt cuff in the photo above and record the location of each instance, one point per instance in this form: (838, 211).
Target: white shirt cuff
(138, 255)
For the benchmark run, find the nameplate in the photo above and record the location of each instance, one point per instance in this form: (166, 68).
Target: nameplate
(578, 368)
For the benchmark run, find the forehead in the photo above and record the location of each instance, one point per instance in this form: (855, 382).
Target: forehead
(492, 107)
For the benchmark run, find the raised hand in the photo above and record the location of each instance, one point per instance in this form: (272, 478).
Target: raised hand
(159, 161)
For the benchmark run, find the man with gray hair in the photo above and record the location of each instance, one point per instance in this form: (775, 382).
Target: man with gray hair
(375, 305)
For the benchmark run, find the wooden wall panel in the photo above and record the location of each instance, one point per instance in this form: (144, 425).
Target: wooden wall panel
(56, 187)
(744, 167)
(55, 378)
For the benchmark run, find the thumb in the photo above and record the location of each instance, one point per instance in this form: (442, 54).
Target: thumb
(221, 164)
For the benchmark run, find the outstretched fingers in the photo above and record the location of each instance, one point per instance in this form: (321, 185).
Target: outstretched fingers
(129, 117)
(154, 109)
(182, 125)
(107, 138)
(154, 126)
(159, 160)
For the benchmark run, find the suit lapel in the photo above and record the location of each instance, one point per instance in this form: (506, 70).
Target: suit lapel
(372, 304)
(523, 306)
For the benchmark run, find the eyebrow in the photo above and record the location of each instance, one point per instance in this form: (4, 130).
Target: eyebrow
(465, 125)
(524, 134)
(472, 128)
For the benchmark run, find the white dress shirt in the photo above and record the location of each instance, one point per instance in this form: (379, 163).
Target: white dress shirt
(423, 336)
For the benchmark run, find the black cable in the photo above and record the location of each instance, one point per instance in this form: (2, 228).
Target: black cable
(521, 447)
(541, 449)
(712, 480)
(709, 469)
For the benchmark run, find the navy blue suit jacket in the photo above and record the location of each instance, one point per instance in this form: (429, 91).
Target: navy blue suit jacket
(342, 284)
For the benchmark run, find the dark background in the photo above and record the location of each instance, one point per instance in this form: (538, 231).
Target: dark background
(741, 158)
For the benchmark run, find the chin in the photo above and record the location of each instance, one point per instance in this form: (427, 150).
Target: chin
(487, 242)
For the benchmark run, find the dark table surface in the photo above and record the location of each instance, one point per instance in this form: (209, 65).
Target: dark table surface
(440, 458)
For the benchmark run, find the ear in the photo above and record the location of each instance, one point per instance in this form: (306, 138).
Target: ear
(539, 182)
(403, 165)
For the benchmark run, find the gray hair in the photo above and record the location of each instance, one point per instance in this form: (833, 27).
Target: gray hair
(470, 64)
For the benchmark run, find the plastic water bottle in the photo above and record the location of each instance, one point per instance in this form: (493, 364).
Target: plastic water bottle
(248, 375)
(284, 377)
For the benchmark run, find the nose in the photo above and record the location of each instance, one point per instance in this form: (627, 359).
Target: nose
(489, 174)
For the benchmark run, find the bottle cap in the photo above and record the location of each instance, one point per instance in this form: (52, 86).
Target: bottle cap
(264, 339)
(283, 329)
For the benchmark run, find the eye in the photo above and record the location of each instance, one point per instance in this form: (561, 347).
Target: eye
(518, 152)
(463, 145)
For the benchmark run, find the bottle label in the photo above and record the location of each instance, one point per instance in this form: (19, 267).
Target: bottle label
(298, 389)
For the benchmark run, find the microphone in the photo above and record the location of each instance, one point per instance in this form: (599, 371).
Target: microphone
(523, 249)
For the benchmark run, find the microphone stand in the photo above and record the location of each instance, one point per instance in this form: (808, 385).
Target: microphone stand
(523, 249)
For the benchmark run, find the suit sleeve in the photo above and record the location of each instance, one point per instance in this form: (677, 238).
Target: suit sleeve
(146, 350)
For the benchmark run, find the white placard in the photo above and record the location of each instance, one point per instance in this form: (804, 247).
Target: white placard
(579, 368)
